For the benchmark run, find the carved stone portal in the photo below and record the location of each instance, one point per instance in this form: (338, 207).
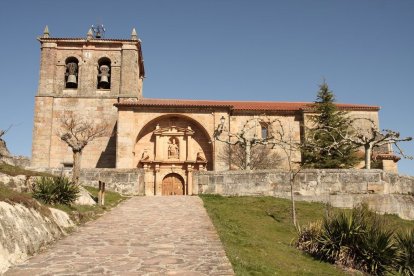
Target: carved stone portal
(174, 152)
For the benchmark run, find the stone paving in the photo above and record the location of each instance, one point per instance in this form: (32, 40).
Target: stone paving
(143, 236)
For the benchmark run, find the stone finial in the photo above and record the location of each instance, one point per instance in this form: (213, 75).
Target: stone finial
(46, 33)
(134, 35)
(89, 35)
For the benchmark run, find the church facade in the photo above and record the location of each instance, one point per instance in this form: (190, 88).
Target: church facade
(101, 79)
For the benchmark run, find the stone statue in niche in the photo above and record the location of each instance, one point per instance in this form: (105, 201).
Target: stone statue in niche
(173, 150)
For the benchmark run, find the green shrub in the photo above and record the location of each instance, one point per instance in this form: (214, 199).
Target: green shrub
(55, 190)
(377, 251)
(358, 239)
(308, 238)
(404, 263)
(341, 237)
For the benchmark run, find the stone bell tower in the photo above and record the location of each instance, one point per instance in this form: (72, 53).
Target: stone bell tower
(83, 77)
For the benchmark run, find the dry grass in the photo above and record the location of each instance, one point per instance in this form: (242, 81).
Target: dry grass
(12, 197)
(15, 170)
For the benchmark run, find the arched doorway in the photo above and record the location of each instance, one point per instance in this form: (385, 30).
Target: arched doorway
(172, 184)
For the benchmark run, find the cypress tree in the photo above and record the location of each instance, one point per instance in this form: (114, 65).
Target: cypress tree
(328, 124)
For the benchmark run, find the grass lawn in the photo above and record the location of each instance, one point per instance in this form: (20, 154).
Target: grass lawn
(257, 234)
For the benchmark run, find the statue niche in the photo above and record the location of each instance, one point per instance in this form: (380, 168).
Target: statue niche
(173, 149)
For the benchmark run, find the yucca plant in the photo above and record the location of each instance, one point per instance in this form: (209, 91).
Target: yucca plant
(377, 250)
(308, 238)
(55, 190)
(404, 262)
(342, 236)
(358, 239)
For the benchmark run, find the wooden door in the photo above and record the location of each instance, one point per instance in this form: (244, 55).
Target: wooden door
(172, 184)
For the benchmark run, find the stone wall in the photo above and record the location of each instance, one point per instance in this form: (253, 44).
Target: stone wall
(123, 181)
(384, 192)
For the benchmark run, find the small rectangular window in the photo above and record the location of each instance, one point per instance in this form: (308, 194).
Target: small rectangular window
(264, 132)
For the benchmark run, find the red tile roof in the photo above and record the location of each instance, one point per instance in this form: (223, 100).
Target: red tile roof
(238, 105)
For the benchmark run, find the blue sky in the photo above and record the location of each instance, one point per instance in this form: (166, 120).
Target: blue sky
(228, 50)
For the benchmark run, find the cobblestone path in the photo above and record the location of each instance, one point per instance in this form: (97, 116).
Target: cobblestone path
(143, 236)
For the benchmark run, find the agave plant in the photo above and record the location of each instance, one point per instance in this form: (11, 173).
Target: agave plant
(342, 236)
(404, 263)
(307, 238)
(55, 190)
(358, 239)
(378, 249)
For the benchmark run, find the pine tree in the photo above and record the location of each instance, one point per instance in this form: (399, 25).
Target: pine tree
(328, 123)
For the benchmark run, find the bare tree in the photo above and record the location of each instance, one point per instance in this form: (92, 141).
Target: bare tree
(4, 152)
(285, 140)
(279, 135)
(276, 137)
(371, 137)
(246, 138)
(77, 132)
(262, 157)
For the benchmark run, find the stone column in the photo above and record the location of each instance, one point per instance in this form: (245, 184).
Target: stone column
(189, 179)
(125, 139)
(157, 180)
(157, 148)
(149, 181)
(190, 148)
(47, 69)
(130, 71)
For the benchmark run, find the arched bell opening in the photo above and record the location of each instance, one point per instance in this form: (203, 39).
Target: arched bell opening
(104, 75)
(71, 73)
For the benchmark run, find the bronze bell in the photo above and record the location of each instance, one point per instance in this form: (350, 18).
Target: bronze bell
(72, 70)
(71, 79)
(104, 81)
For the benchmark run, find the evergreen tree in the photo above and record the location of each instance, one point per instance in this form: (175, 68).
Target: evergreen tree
(327, 125)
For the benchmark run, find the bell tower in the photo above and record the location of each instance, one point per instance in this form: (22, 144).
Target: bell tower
(83, 77)
(93, 66)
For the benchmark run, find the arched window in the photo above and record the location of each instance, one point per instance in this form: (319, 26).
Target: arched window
(71, 74)
(104, 75)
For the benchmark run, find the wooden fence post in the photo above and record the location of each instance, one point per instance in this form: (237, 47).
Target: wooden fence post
(103, 194)
(100, 193)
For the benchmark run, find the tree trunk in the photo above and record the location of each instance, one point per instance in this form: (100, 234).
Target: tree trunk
(292, 181)
(248, 155)
(368, 151)
(76, 166)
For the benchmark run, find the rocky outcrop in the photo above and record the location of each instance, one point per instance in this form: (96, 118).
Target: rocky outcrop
(6, 157)
(84, 197)
(24, 231)
(18, 183)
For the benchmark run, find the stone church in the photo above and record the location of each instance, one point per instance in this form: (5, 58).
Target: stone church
(102, 79)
